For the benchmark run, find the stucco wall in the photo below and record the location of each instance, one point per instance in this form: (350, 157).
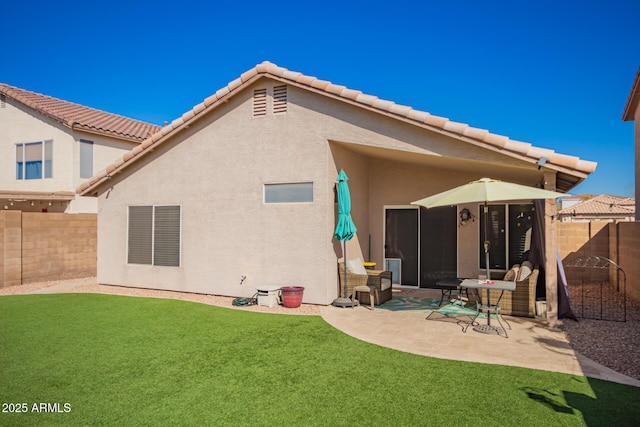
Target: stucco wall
(216, 170)
(636, 126)
(19, 124)
(629, 254)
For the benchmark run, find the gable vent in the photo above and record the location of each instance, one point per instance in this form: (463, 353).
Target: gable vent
(259, 103)
(280, 99)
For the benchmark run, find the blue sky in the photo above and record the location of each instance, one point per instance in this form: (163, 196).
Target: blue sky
(556, 74)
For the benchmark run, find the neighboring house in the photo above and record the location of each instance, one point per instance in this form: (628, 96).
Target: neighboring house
(49, 147)
(567, 202)
(601, 208)
(243, 185)
(632, 113)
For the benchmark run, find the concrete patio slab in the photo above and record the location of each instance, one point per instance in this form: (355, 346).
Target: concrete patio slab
(530, 343)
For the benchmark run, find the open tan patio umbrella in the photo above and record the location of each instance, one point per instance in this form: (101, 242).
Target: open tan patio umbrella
(486, 190)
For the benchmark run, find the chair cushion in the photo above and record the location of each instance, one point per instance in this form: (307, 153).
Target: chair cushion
(355, 266)
(525, 271)
(385, 284)
(512, 274)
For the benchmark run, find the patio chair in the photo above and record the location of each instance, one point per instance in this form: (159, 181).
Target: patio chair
(379, 279)
(522, 301)
(370, 290)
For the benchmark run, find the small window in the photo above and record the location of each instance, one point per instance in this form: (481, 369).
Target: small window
(289, 193)
(34, 160)
(86, 159)
(154, 235)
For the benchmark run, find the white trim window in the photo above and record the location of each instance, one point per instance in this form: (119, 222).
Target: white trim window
(298, 192)
(34, 160)
(86, 158)
(154, 235)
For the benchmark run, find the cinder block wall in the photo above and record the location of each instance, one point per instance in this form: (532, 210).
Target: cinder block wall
(10, 248)
(37, 247)
(620, 242)
(583, 238)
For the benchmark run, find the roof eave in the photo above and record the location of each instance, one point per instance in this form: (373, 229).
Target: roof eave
(574, 168)
(102, 132)
(38, 195)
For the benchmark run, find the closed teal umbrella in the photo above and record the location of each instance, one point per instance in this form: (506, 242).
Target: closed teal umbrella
(345, 229)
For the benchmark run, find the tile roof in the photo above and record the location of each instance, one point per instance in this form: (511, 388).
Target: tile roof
(76, 116)
(603, 205)
(632, 102)
(571, 170)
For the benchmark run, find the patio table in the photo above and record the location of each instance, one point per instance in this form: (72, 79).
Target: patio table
(449, 285)
(500, 285)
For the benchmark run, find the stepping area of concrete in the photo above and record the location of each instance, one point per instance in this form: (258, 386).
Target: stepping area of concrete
(531, 344)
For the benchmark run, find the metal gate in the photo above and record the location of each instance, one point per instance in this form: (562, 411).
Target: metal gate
(597, 288)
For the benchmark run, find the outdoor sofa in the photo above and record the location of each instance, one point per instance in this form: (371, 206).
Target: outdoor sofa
(522, 301)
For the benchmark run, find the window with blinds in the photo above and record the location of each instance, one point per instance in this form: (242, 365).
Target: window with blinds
(86, 159)
(154, 235)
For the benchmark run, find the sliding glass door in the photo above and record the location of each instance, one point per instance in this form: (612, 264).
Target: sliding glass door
(401, 242)
(422, 243)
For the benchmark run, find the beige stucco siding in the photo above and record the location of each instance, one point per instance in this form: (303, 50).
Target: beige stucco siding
(636, 124)
(216, 170)
(19, 124)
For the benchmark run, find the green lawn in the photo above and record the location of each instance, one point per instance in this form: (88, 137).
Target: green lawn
(141, 361)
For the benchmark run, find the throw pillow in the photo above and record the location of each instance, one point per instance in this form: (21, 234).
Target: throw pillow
(355, 266)
(525, 271)
(512, 274)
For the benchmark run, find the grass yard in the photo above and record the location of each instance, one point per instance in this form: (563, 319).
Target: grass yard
(112, 360)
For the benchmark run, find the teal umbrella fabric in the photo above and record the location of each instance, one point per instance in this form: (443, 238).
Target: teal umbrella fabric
(345, 229)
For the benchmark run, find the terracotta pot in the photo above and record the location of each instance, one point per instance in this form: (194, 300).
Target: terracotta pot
(291, 296)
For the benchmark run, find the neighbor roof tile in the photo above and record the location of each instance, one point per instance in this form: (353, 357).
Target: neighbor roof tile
(79, 117)
(604, 204)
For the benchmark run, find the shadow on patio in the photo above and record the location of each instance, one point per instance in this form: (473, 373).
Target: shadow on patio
(401, 324)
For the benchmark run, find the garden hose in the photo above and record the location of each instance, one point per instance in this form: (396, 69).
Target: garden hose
(241, 302)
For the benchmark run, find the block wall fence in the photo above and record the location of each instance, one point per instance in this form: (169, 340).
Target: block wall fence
(37, 247)
(619, 242)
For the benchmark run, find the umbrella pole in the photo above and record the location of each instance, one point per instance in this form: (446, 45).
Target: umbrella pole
(345, 301)
(344, 253)
(486, 260)
(486, 241)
